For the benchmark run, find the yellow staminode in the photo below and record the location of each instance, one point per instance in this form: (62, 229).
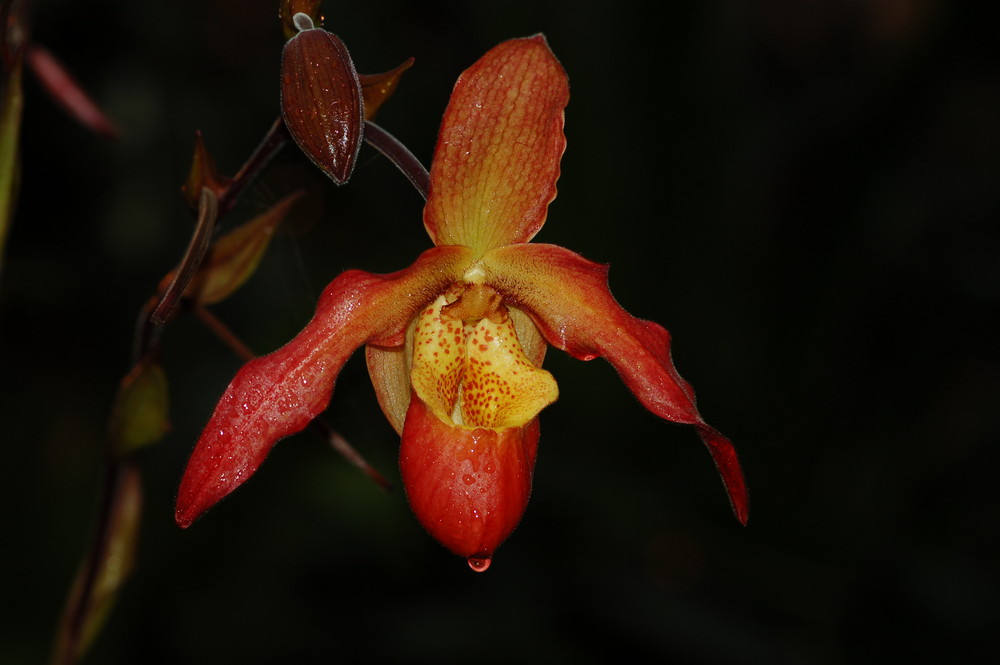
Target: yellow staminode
(474, 373)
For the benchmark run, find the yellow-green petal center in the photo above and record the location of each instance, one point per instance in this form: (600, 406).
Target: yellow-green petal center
(468, 364)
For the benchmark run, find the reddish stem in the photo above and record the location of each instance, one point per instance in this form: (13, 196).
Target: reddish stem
(275, 139)
(397, 153)
(208, 213)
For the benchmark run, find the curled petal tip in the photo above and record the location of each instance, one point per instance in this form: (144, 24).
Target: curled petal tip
(182, 519)
(568, 298)
(742, 513)
(726, 461)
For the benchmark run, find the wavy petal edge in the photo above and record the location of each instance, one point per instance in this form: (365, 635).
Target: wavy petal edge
(569, 300)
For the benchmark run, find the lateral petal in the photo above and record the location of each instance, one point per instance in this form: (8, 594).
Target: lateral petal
(497, 159)
(568, 298)
(279, 394)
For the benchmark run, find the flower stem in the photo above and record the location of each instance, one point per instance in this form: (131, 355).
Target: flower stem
(222, 331)
(208, 213)
(83, 612)
(79, 608)
(347, 451)
(400, 155)
(276, 138)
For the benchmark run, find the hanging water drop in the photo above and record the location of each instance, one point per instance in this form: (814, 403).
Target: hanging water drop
(479, 563)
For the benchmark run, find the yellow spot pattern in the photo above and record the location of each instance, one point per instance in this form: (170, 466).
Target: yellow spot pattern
(475, 374)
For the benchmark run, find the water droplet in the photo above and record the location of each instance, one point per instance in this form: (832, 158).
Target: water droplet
(479, 563)
(467, 479)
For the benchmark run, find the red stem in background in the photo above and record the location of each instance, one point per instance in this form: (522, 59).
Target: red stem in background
(275, 139)
(397, 153)
(322, 427)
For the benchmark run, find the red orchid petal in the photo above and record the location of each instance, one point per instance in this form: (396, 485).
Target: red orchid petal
(467, 486)
(497, 159)
(277, 395)
(569, 300)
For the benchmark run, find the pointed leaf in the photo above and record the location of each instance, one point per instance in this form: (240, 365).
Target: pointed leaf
(233, 257)
(497, 159)
(321, 99)
(376, 88)
(278, 395)
(11, 108)
(99, 580)
(202, 174)
(119, 559)
(139, 416)
(568, 298)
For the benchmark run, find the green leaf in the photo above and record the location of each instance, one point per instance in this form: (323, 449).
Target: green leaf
(103, 572)
(233, 257)
(11, 106)
(139, 415)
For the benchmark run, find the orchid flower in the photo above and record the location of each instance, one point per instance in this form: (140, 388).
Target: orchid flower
(455, 341)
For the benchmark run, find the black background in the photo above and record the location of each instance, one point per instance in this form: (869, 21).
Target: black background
(805, 193)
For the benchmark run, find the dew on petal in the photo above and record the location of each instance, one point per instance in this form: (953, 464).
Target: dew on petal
(479, 563)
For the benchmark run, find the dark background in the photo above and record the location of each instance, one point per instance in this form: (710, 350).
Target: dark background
(804, 192)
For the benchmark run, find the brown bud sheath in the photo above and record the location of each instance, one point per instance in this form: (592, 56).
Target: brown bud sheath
(321, 99)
